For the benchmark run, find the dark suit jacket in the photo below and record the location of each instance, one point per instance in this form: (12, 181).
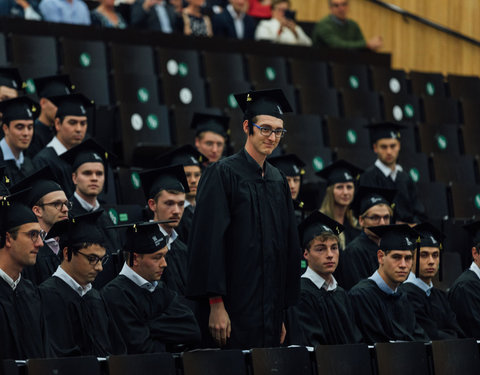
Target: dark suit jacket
(149, 20)
(223, 26)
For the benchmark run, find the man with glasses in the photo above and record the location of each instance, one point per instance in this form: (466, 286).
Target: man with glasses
(372, 206)
(246, 271)
(78, 320)
(337, 31)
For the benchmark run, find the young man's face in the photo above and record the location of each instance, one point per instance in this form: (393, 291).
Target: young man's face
(429, 262)
(294, 184)
(168, 206)
(395, 266)
(48, 213)
(339, 8)
(262, 144)
(89, 179)
(387, 150)
(211, 145)
(322, 256)
(71, 131)
(23, 250)
(86, 264)
(343, 193)
(375, 216)
(49, 110)
(193, 174)
(18, 134)
(150, 266)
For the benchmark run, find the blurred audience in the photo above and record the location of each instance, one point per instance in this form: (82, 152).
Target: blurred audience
(233, 22)
(27, 9)
(194, 21)
(105, 15)
(65, 11)
(260, 8)
(157, 15)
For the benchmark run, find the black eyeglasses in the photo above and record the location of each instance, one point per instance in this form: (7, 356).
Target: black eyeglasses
(377, 218)
(58, 204)
(94, 259)
(35, 234)
(267, 132)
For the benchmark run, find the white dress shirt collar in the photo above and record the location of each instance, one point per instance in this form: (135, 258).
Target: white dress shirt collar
(129, 273)
(57, 146)
(85, 205)
(427, 288)
(319, 281)
(80, 290)
(382, 284)
(13, 284)
(8, 154)
(387, 171)
(475, 269)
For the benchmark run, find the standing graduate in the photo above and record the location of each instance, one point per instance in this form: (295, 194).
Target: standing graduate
(244, 250)
(382, 311)
(324, 311)
(78, 320)
(22, 320)
(464, 295)
(150, 315)
(70, 129)
(431, 306)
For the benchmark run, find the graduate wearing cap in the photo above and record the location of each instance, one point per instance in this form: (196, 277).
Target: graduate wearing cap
(373, 207)
(47, 87)
(78, 320)
(324, 311)
(10, 83)
(341, 177)
(70, 129)
(211, 132)
(431, 306)
(382, 311)
(22, 320)
(244, 227)
(388, 174)
(464, 295)
(150, 316)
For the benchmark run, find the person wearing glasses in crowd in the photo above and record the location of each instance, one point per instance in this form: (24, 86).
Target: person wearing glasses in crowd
(246, 272)
(49, 204)
(336, 30)
(22, 320)
(77, 318)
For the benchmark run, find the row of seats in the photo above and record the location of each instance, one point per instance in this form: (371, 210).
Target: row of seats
(449, 357)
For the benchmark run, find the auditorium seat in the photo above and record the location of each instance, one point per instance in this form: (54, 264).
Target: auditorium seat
(224, 66)
(9, 367)
(439, 139)
(457, 239)
(105, 128)
(433, 195)
(289, 90)
(319, 100)
(401, 108)
(451, 264)
(389, 81)
(129, 186)
(30, 51)
(402, 358)
(310, 73)
(64, 366)
(456, 168)
(145, 364)
(464, 87)
(471, 139)
(181, 92)
(136, 88)
(471, 112)
(3, 50)
(409, 138)
(92, 83)
(465, 200)
(184, 63)
(427, 84)
(361, 104)
(347, 133)
(125, 213)
(214, 362)
(441, 110)
(83, 54)
(353, 359)
(281, 361)
(132, 59)
(351, 77)
(267, 69)
(416, 165)
(362, 158)
(222, 91)
(451, 357)
(236, 136)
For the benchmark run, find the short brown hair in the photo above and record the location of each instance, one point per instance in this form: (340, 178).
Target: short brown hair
(275, 2)
(322, 238)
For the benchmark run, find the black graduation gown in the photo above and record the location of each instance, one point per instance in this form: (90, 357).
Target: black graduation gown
(14, 174)
(183, 229)
(357, 262)
(46, 264)
(350, 232)
(433, 312)
(175, 275)
(78, 325)
(407, 204)
(326, 318)
(112, 243)
(42, 135)
(464, 298)
(149, 320)
(382, 317)
(60, 168)
(244, 246)
(23, 332)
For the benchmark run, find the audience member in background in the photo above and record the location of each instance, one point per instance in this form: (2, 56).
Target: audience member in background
(43, 128)
(233, 22)
(105, 15)
(431, 306)
(260, 8)
(10, 83)
(178, 6)
(338, 31)
(27, 9)
(194, 21)
(65, 11)
(156, 15)
(210, 135)
(17, 126)
(282, 28)
(341, 178)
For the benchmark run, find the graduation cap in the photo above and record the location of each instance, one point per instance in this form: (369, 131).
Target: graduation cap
(80, 229)
(289, 164)
(340, 171)
(88, 151)
(316, 224)
(368, 196)
(41, 183)
(22, 108)
(396, 237)
(53, 86)
(263, 102)
(384, 130)
(203, 122)
(14, 213)
(168, 178)
(11, 78)
(429, 237)
(186, 155)
(71, 105)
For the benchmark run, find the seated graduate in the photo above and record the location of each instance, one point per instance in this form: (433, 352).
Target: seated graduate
(324, 310)
(382, 311)
(22, 321)
(50, 205)
(78, 320)
(431, 306)
(211, 135)
(150, 316)
(90, 162)
(464, 295)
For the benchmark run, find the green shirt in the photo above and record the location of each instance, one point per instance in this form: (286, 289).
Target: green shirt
(336, 34)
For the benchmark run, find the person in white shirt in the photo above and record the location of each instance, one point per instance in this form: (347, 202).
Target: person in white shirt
(282, 28)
